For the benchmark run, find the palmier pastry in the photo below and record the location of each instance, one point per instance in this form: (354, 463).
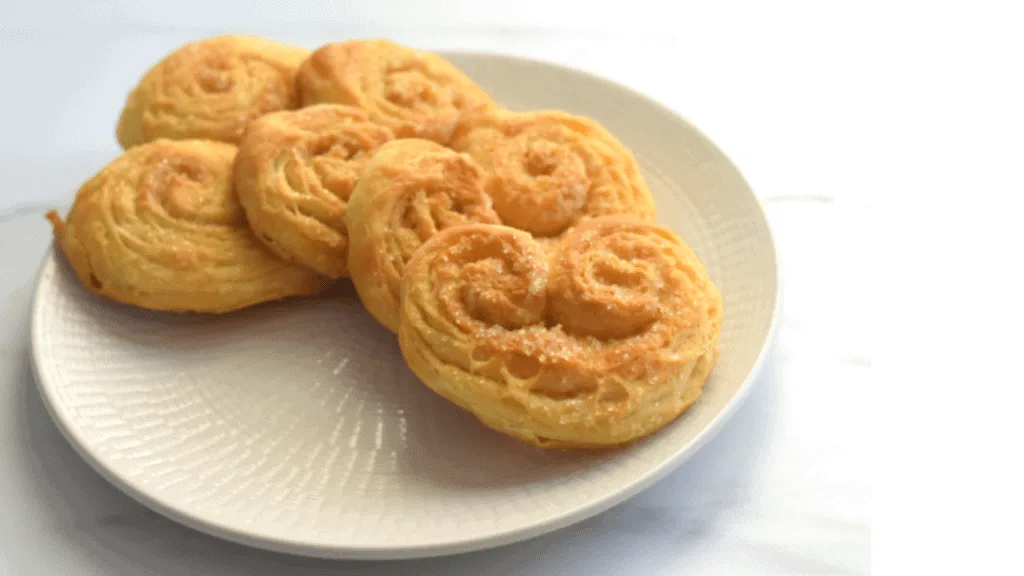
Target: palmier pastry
(160, 228)
(210, 89)
(416, 94)
(294, 173)
(549, 170)
(605, 342)
(410, 190)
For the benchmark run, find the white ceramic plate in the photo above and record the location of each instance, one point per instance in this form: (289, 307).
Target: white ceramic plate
(297, 427)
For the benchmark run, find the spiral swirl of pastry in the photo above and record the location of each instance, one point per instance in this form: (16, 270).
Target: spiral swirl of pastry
(410, 190)
(160, 228)
(603, 342)
(414, 93)
(210, 89)
(548, 170)
(294, 174)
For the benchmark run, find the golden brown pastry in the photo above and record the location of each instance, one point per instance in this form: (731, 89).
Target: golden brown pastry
(608, 341)
(294, 173)
(210, 89)
(410, 190)
(549, 170)
(160, 228)
(417, 94)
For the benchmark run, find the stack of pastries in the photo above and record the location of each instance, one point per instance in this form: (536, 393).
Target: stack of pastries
(515, 254)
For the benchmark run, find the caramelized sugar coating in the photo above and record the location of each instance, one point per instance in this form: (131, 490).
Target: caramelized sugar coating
(161, 228)
(605, 341)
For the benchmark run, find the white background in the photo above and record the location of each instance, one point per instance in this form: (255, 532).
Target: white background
(887, 142)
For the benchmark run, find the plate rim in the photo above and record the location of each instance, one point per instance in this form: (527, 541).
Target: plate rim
(567, 516)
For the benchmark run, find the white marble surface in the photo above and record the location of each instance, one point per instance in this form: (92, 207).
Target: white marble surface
(793, 95)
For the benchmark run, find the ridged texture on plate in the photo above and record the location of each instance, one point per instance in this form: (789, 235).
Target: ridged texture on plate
(210, 89)
(294, 174)
(548, 170)
(410, 190)
(160, 227)
(415, 93)
(606, 344)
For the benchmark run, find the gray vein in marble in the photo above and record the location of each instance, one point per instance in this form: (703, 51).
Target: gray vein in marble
(37, 208)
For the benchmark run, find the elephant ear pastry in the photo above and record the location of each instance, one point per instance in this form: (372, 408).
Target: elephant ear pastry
(410, 190)
(549, 170)
(210, 90)
(161, 228)
(294, 174)
(416, 94)
(605, 341)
